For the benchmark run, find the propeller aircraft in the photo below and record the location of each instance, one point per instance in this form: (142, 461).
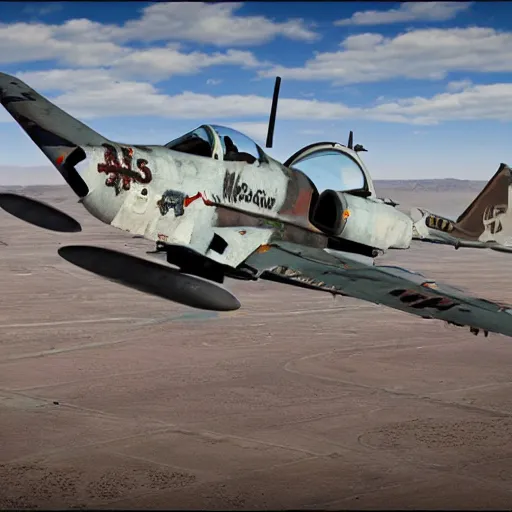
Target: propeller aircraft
(218, 206)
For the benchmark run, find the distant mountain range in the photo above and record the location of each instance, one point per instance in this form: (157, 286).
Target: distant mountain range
(27, 176)
(436, 185)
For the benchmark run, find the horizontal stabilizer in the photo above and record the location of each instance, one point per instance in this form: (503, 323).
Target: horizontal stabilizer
(150, 277)
(38, 213)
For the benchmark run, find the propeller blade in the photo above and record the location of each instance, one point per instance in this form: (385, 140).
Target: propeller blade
(150, 277)
(38, 213)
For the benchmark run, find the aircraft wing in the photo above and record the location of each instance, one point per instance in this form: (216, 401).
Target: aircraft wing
(390, 286)
(486, 223)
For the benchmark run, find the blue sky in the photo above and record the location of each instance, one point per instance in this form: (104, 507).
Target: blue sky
(426, 87)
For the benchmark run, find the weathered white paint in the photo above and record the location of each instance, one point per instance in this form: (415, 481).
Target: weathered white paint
(136, 210)
(242, 242)
(376, 224)
(138, 213)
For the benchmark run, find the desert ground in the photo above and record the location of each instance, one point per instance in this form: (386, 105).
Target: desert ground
(110, 398)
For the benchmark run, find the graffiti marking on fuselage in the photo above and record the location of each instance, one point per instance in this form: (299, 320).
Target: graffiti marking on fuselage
(120, 175)
(178, 201)
(235, 191)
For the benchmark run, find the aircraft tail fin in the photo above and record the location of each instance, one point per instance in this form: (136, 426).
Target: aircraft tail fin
(45, 123)
(57, 134)
(485, 223)
(483, 218)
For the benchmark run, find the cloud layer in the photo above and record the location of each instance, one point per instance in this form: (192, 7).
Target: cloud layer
(82, 42)
(407, 12)
(417, 54)
(94, 94)
(102, 72)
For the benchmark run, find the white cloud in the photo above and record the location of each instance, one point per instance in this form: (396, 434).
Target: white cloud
(117, 99)
(30, 42)
(458, 85)
(77, 80)
(406, 12)
(258, 131)
(493, 102)
(213, 81)
(417, 54)
(82, 42)
(363, 42)
(95, 94)
(159, 63)
(214, 23)
(153, 63)
(85, 43)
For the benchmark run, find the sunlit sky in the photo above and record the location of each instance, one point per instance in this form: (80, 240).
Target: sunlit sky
(425, 86)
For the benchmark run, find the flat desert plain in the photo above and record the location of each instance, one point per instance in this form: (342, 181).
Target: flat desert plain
(110, 398)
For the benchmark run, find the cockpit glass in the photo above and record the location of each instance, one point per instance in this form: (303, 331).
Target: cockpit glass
(236, 146)
(333, 170)
(196, 142)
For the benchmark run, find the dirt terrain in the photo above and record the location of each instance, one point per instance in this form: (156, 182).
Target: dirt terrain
(113, 399)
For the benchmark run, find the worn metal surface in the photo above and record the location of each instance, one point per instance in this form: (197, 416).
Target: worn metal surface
(376, 224)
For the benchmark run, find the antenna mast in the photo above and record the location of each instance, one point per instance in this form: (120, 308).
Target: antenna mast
(273, 114)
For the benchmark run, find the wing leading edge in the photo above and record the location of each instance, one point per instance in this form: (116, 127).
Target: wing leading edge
(394, 287)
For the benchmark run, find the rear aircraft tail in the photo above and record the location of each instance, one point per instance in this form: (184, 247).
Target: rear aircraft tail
(488, 215)
(486, 222)
(58, 135)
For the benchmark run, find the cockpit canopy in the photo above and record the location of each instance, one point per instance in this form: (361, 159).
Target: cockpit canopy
(331, 166)
(327, 164)
(219, 142)
(197, 142)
